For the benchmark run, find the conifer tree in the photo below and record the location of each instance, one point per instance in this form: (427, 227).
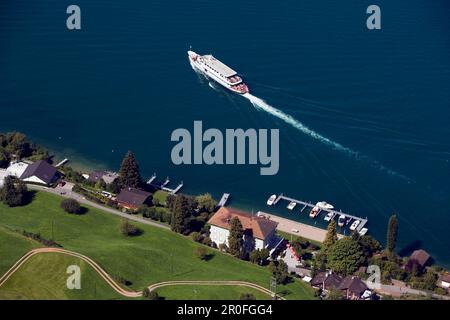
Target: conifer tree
(129, 175)
(392, 233)
(235, 239)
(331, 236)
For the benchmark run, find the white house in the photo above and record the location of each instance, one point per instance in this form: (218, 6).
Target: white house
(3, 175)
(259, 232)
(40, 172)
(16, 169)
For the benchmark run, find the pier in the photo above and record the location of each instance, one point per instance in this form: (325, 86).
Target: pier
(62, 162)
(223, 200)
(163, 186)
(363, 221)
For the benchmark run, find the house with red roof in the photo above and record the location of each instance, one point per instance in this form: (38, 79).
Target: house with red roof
(259, 232)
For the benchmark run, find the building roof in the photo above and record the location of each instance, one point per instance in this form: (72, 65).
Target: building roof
(40, 169)
(353, 284)
(17, 168)
(132, 196)
(421, 257)
(445, 277)
(260, 227)
(218, 66)
(95, 176)
(109, 177)
(330, 280)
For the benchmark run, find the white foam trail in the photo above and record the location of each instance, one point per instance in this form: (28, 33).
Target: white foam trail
(261, 104)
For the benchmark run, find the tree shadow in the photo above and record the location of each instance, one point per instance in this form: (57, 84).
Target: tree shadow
(82, 211)
(208, 257)
(29, 197)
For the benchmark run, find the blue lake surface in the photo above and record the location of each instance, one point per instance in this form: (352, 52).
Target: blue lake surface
(364, 120)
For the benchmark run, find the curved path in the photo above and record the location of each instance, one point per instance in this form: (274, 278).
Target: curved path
(115, 285)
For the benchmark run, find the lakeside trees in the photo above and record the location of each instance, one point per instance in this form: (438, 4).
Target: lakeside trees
(235, 239)
(182, 208)
(13, 194)
(129, 174)
(345, 256)
(392, 234)
(15, 145)
(331, 237)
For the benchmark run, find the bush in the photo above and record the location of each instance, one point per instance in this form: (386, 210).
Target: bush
(71, 206)
(129, 229)
(197, 237)
(151, 295)
(201, 253)
(247, 296)
(207, 241)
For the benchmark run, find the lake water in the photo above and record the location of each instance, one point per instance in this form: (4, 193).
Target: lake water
(363, 115)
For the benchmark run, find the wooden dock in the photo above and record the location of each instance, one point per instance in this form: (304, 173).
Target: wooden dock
(363, 221)
(223, 200)
(62, 162)
(163, 186)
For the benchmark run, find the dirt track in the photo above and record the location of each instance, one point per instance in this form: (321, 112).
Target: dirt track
(115, 285)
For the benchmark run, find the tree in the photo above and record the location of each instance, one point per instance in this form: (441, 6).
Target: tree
(4, 158)
(205, 202)
(334, 294)
(259, 256)
(129, 175)
(247, 296)
(151, 295)
(280, 271)
(368, 245)
(11, 194)
(345, 256)
(129, 229)
(331, 236)
(392, 234)
(319, 263)
(182, 209)
(71, 206)
(235, 239)
(201, 253)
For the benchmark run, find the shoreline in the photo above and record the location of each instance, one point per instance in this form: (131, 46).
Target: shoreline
(304, 230)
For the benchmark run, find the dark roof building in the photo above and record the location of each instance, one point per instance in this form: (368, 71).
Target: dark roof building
(418, 258)
(40, 172)
(353, 287)
(326, 280)
(132, 198)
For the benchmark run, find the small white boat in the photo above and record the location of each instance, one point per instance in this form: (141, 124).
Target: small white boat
(291, 205)
(323, 205)
(314, 212)
(295, 230)
(354, 225)
(341, 220)
(271, 200)
(363, 231)
(329, 216)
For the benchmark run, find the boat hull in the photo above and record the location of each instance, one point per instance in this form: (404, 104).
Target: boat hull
(209, 75)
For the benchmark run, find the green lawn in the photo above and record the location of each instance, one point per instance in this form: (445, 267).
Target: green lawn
(156, 255)
(12, 247)
(161, 196)
(44, 277)
(208, 293)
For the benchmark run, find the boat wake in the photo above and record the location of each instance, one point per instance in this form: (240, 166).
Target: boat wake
(262, 105)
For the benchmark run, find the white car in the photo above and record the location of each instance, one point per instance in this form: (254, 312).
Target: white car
(354, 225)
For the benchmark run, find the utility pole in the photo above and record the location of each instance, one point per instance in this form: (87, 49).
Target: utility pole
(53, 238)
(273, 287)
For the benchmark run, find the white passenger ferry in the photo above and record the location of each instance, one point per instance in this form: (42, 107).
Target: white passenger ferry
(218, 71)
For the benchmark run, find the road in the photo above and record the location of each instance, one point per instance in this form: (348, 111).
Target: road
(60, 191)
(398, 291)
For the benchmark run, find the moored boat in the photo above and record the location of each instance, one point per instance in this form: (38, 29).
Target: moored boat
(271, 199)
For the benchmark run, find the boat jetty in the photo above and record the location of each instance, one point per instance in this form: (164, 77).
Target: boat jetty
(315, 210)
(164, 184)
